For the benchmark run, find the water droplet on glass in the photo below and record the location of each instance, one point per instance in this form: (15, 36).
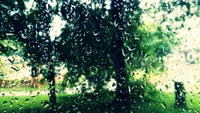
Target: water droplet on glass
(115, 23)
(95, 33)
(45, 104)
(27, 100)
(191, 102)
(88, 50)
(166, 87)
(16, 99)
(4, 103)
(98, 39)
(163, 105)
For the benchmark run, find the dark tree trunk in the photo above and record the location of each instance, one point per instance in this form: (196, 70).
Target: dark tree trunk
(52, 90)
(122, 93)
(99, 86)
(180, 95)
(1, 82)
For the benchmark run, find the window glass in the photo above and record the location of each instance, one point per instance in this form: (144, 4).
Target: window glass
(99, 56)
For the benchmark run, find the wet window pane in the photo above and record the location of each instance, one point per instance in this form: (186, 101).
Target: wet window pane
(99, 56)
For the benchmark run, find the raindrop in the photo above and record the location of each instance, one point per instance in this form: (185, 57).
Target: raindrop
(20, 107)
(73, 105)
(11, 103)
(27, 100)
(115, 23)
(4, 103)
(130, 49)
(191, 101)
(45, 104)
(40, 33)
(33, 97)
(124, 53)
(98, 39)
(159, 68)
(89, 50)
(166, 87)
(103, 16)
(95, 34)
(38, 93)
(16, 99)
(113, 84)
(163, 105)
(136, 38)
(15, 68)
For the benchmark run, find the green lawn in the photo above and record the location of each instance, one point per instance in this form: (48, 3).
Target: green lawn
(166, 105)
(91, 104)
(23, 103)
(40, 104)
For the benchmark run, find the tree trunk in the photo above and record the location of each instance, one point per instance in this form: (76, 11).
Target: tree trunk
(122, 93)
(180, 95)
(52, 90)
(99, 86)
(1, 82)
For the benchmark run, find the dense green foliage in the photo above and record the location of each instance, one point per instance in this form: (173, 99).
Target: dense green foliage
(85, 43)
(150, 45)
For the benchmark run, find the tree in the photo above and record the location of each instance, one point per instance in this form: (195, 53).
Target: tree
(40, 47)
(99, 41)
(77, 38)
(86, 51)
(32, 30)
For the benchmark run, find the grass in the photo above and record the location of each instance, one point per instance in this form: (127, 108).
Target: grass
(24, 88)
(23, 104)
(40, 104)
(166, 104)
(89, 103)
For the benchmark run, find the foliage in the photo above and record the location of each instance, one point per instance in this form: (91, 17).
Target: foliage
(10, 47)
(86, 51)
(148, 47)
